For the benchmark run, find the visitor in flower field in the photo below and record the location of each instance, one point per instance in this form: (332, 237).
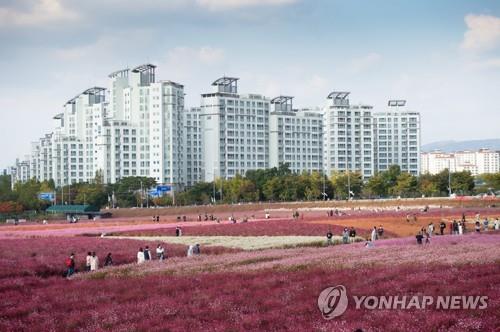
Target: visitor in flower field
(478, 227)
(460, 228)
(442, 227)
(178, 231)
(140, 256)
(380, 231)
(419, 237)
(329, 236)
(190, 251)
(160, 252)
(147, 254)
(485, 223)
(94, 262)
(430, 229)
(455, 227)
(369, 243)
(496, 224)
(70, 265)
(88, 259)
(427, 238)
(352, 234)
(197, 249)
(374, 234)
(108, 261)
(345, 236)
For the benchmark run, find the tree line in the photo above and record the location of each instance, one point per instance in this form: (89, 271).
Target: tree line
(274, 184)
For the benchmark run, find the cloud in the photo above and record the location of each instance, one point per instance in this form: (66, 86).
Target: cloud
(38, 13)
(358, 65)
(206, 55)
(483, 32)
(219, 5)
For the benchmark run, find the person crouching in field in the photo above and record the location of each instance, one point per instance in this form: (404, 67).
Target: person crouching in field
(419, 237)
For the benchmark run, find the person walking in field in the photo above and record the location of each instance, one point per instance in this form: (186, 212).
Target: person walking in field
(94, 262)
(329, 236)
(108, 261)
(197, 249)
(478, 227)
(380, 231)
(345, 236)
(140, 256)
(496, 224)
(442, 227)
(430, 229)
(374, 234)
(190, 251)
(88, 259)
(485, 224)
(352, 234)
(147, 254)
(160, 252)
(70, 265)
(460, 228)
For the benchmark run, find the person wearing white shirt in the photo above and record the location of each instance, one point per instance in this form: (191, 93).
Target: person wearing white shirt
(140, 256)
(87, 261)
(160, 252)
(94, 262)
(374, 234)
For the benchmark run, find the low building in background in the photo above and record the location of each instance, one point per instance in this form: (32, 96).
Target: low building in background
(478, 162)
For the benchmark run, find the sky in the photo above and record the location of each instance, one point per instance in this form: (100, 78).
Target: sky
(443, 57)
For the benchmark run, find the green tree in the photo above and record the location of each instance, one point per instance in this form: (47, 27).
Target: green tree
(376, 186)
(406, 185)
(341, 181)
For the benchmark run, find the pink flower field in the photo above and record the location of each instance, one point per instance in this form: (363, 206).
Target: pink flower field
(252, 228)
(233, 290)
(44, 257)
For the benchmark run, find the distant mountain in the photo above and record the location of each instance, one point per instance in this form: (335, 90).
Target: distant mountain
(452, 146)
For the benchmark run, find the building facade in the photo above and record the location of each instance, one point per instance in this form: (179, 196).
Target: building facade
(348, 142)
(397, 138)
(477, 162)
(295, 136)
(235, 131)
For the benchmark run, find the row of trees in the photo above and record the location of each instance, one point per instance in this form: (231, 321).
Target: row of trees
(275, 184)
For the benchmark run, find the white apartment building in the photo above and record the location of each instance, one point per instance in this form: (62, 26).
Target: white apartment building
(397, 138)
(477, 162)
(193, 146)
(235, 131)
(139, 132)
(295, 136)
(348, 142)
(20, 172)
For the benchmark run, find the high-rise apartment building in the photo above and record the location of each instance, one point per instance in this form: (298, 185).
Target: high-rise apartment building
(295, 136)
(235, 131)
(135, 128)
(348, 142)
(193, 146)
(397, 138)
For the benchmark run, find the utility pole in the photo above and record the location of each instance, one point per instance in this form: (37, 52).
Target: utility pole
(348, 185)
(142, 196)
(324, 187)
(449, 179)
